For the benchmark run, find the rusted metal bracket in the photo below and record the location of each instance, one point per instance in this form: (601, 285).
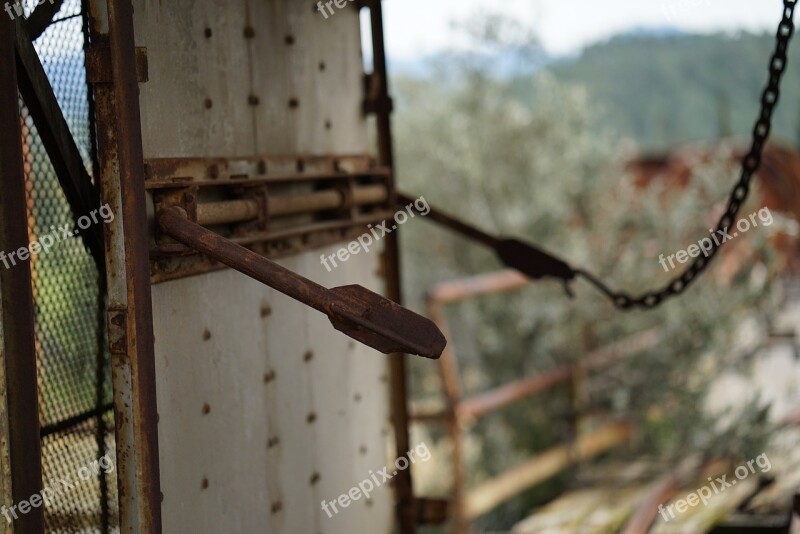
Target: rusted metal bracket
(98, 63)
(57, 139)
(275, 205)
(353, 310)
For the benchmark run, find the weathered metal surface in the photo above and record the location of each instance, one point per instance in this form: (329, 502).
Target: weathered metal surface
(378, 100)
(277, 205)
(98, 64)
(17, 352)
(353, 310)
(75, 181)
(130, 312)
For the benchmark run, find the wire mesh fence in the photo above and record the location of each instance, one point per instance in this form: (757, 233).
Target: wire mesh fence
(75, 392)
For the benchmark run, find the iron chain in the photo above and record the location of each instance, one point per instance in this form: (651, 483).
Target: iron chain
(750, 165)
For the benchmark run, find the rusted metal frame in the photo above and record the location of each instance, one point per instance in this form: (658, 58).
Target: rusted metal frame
(513, 392)
(459, 412)
(42, 17)
(98, 64)
(448, 370)
(130, 307)
(253, 197)
(57, 139)
(246, 209)
(17, 315)
(379, 92)
(167, 172)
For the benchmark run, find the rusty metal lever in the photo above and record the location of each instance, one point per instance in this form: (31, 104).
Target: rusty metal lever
(531, 261)
(353, 310)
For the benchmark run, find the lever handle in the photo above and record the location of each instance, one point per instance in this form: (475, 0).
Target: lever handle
(353, 310)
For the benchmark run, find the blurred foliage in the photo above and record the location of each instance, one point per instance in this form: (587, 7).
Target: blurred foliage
(541, 163)
(663, 90)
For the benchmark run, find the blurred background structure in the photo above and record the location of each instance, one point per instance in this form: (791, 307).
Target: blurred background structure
(616, 148)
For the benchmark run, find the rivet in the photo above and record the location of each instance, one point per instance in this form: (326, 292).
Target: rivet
(314, 478)
(208, 33)
(277, 507)
(362, 450)
(308, 356)
(272, 442)
(321, 65)
(269, 376)
(357, 397)
(253, 100)
(311, 418)
(249, 32)
(294, 103)
(289, 39)
(206, 334)
(266, 310)
(206, 409)
(204, 483)
(208, 103)
(328, 125)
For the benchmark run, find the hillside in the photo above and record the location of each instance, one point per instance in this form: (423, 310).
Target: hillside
(663, 90)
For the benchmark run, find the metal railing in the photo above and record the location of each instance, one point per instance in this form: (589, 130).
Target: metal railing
(467, 504)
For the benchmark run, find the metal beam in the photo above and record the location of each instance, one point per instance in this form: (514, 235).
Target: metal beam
(57, 139)
(16, 310)
(42, 18)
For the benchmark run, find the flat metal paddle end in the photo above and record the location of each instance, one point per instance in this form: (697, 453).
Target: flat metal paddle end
(382, 324)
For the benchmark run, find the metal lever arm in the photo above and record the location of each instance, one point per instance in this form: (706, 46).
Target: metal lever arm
(531, 261)
(353, 310)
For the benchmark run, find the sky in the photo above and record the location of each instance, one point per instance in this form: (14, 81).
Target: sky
(418, 28)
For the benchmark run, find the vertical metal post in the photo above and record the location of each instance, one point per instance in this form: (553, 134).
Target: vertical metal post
(130, 320)
(448, 369)
(403, 485)
(18, 348)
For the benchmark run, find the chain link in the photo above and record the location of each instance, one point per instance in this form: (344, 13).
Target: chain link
(750, 165)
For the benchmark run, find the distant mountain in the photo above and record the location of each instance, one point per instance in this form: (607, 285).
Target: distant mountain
(667, 88)
(661, 86)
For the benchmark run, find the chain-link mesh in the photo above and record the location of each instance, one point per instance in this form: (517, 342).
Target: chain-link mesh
(79, 467)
